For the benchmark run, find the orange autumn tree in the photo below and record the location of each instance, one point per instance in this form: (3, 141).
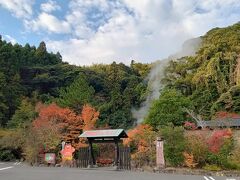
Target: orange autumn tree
(189, 160)
(61, 122)
(141, 140)
(89, 116)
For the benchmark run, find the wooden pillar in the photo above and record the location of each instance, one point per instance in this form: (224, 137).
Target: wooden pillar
(116, 153)
(91, 155)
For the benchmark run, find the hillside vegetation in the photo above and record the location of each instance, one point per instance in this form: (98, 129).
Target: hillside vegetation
(209, 80)
(29, 75)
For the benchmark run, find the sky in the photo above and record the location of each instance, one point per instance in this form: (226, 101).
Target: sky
(89, 32)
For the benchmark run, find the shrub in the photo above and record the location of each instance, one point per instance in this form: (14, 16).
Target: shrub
(141, 140)
(196, 145)
(221, 158)
(216, 141)
(11, 143)
(212, 167)
(174, 145)
(189, 160)
(190, 125)
(235, 158)
(6, 155)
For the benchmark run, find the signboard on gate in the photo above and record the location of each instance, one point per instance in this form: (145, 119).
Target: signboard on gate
(160, 155)
(50, 158)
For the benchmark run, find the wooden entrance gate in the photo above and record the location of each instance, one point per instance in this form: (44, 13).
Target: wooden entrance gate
(124, 158)
(83, 157)
(121, 159)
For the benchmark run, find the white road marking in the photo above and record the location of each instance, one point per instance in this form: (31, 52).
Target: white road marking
(208, 178)
(6, 168)
(17, 163)
(205, 178)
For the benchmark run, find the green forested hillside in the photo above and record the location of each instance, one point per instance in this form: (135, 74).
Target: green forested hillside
(30, 74)
(211, 78)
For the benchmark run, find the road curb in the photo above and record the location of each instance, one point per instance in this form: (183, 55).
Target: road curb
(198, 172)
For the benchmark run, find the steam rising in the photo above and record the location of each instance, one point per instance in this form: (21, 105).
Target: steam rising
(156, 75)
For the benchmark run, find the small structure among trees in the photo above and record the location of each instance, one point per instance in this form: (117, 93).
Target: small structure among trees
(107, 136)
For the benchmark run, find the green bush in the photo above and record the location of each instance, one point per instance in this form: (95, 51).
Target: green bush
(174, 145)
(196, 145)
(222, 158)
(235, 157)
(6, 155)
(212, 167)
(168, 109)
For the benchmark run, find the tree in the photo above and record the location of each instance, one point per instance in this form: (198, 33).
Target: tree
(175, 145)
(141, 140)
(62, 122)
(23, 115)
(210, 78)
(89, 116)
(77, 94)
(3, 106)
(168, 109)
(12, 94)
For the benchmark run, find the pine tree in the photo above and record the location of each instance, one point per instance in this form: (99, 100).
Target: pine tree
(23, 115)
(77, 94)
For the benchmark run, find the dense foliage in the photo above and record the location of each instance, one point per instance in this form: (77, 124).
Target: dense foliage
(29, 74)
(169, 108)
(44, 100)
(141, 139)
(211, 77)
(174, 146)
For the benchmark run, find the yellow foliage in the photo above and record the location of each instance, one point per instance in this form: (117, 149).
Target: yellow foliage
(189, 160)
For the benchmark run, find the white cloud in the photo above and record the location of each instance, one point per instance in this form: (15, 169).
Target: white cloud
(49, 23)
(19, 8)
(9, 38)
(50, 6)
(154, 29)
(102, 30)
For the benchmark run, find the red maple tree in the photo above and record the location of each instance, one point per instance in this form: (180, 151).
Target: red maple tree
(216, 140)
(89, 116)
(63, 120)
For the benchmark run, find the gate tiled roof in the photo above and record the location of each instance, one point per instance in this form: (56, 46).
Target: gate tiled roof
(107, 133)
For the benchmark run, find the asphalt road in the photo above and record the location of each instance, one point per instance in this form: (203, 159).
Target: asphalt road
(16, 171)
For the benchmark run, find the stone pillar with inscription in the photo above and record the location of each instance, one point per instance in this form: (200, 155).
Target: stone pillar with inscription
(160, 161)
